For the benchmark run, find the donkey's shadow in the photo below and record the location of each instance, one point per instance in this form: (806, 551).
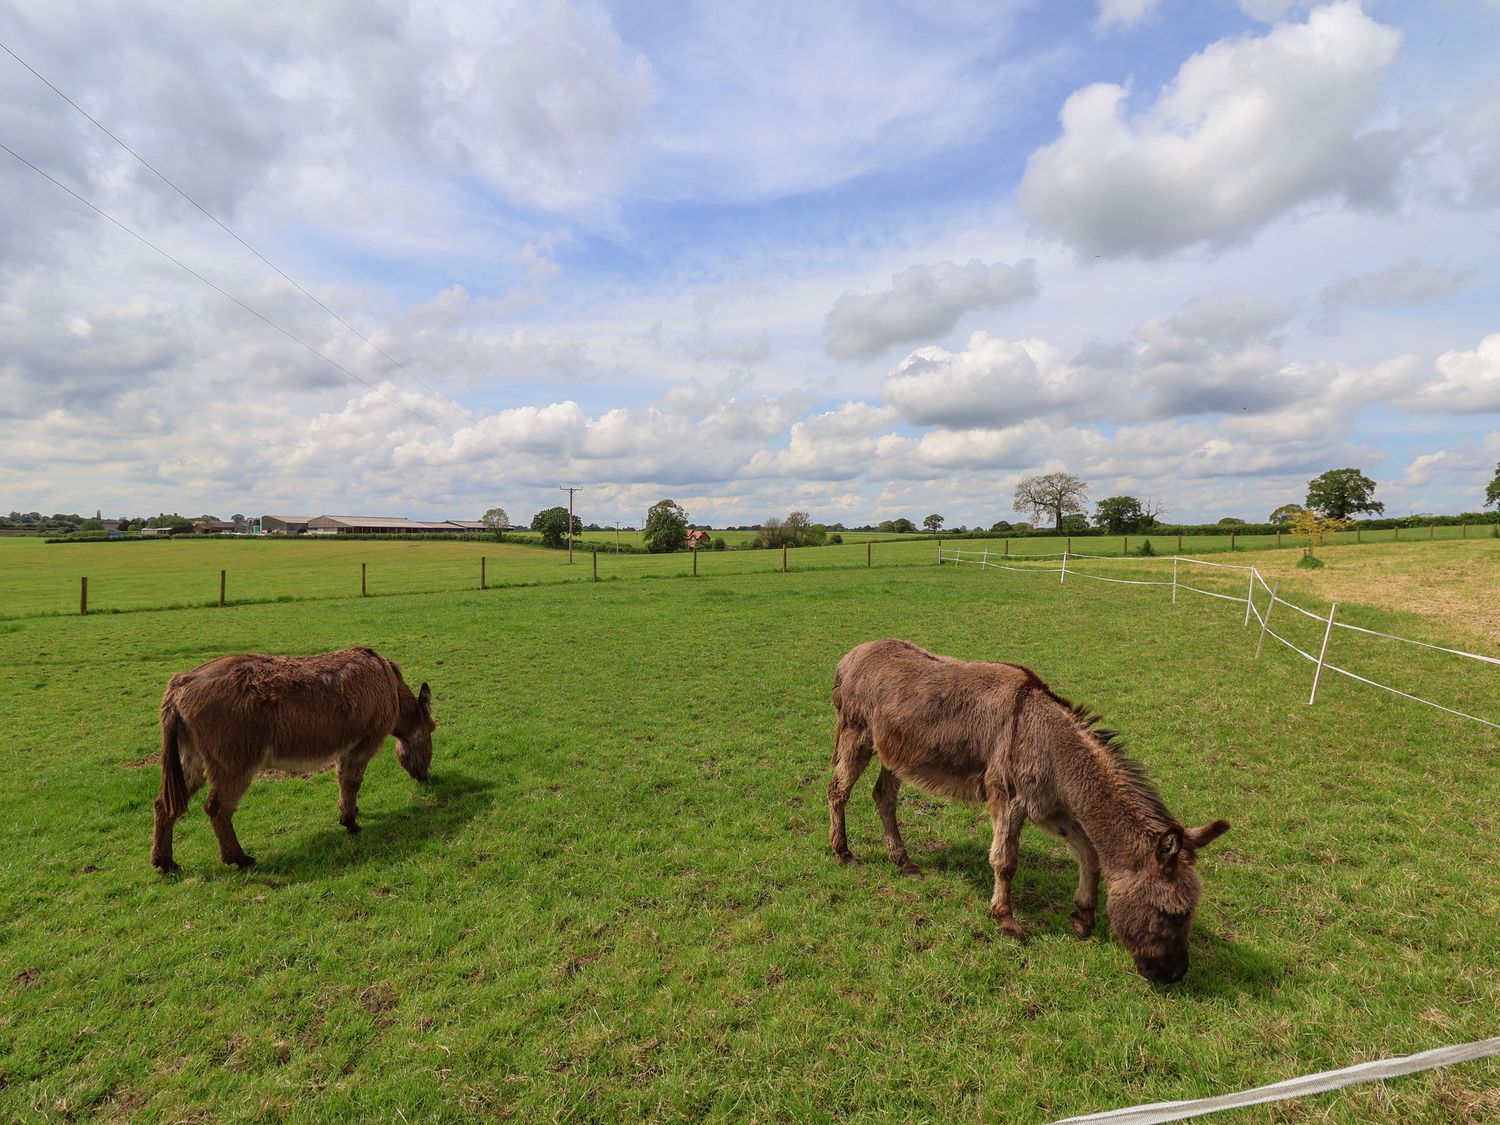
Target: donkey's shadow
(1043, 894)
(1045, 879)
(316, 849)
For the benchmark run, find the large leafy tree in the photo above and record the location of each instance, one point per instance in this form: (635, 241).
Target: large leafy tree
(797, 530)
(553, 524)
(1341, 493)
(933, 522)
(666, 527)
(1492, 490)
(1119, 515)
(496, 520)
(1053, 494)
(1285, 514)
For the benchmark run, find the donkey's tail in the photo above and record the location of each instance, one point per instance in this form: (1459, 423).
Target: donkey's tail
(174, 797)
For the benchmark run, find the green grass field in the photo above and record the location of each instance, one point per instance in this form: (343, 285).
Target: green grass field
(616, 901)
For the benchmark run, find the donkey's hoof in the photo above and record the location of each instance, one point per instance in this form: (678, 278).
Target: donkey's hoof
(165, 866)
(845, 859)
(244, 862)
(1083, 922)
(352, 825)
(909, 868)
(1009, 927)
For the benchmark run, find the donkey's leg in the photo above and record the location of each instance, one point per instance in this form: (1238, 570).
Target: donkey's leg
(851, 754)
(223, 799)
(350, 770)
(1086, 900)
(887, 786)
(1006, 818)
(161, 835)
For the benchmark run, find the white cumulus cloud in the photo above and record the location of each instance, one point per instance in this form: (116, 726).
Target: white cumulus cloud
(1467, 382)
(992, 382)
(922, 302)
(1249, 128)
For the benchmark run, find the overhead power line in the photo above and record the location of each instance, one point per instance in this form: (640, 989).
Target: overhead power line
(444, 399)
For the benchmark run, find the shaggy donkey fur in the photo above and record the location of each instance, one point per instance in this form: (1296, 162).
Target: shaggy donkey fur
(226, 720)
(996, 734)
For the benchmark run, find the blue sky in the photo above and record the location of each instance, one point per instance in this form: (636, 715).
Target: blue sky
(861, 259)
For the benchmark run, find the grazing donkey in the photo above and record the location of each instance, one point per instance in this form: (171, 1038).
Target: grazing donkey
(225, 720)
(995, 733)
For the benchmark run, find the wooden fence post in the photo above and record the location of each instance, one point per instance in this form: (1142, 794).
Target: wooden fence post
(483, 584)
(869, 556)
(83, 597)
(221, 589)
(1007, 546)
(1357, 539)
(1231, 541)
(362, 588)
(1068, 550)
(1125, 550)
(1430, 529)
(595, 553)
(1398, 533)
(1179, 542)
(695, 566)
(783, 558)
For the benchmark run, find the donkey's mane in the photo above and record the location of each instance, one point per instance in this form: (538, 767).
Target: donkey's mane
(1134, 774)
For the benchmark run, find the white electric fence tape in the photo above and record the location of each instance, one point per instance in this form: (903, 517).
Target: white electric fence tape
(1375, 1071)
(1248, 600)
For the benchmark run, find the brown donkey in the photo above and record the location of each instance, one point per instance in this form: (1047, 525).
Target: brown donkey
(225, 720)
(995, 733)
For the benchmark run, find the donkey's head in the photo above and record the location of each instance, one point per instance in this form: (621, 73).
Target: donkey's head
(414, 733)
(1151, 908)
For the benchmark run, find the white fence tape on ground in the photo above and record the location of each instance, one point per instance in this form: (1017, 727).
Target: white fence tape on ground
(1329, 620)
(1376, 1071)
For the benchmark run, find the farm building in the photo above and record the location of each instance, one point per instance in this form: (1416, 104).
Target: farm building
(283, 525)
(381, 525)
(216, 527)
(695, 539)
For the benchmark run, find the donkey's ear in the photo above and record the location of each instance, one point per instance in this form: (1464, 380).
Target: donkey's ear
(1168, 845)
(424, 697)
(1202, 837)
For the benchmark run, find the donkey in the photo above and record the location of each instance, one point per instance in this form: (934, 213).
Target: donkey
(996, 734)
(225, 720)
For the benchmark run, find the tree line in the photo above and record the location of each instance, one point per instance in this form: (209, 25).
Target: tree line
(1332, 498)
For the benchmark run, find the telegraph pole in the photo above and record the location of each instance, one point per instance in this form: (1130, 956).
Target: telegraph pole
(570, 489)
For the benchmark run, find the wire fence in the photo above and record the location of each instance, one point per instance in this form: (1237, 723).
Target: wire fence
(1260, 599)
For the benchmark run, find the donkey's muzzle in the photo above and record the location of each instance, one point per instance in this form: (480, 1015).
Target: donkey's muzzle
(1163, 970)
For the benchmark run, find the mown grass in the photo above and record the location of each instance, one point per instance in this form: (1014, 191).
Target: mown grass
(615, 901)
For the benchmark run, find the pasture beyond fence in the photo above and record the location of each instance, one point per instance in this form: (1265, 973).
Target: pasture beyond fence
(247, 572)
(1185, 578)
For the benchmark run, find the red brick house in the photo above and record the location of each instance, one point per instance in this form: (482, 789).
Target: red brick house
(695, 539)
